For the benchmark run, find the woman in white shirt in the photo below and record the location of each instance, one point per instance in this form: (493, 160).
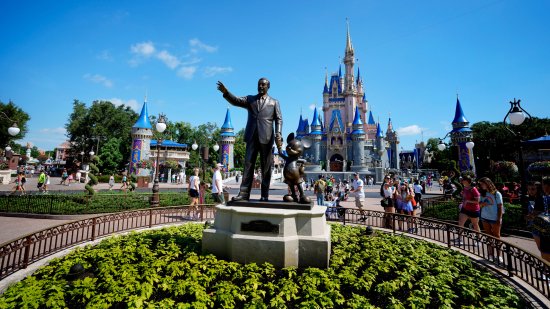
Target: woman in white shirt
(389, 192)
(193, 191)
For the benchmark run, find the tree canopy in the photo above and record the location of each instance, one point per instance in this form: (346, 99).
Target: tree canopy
(90, 128)
(17, 115)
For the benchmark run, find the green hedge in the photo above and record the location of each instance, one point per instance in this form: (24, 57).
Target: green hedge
(71, 204)
(448, 210)
(165, 269)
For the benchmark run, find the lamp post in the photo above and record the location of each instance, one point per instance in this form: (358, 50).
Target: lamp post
(13, 130)
(517, 116)
(160, 127)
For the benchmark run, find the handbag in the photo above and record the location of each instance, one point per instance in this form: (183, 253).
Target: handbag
(384, 202)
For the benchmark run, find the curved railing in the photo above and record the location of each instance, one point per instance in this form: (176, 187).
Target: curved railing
(529, 268)
(19, 253)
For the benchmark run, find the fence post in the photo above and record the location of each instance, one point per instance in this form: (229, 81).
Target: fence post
(93, 228)
(448, 235)
(202, 212)
(150, 217)
(393, 220)
(509, 265)
(27, 252)
(344, 216)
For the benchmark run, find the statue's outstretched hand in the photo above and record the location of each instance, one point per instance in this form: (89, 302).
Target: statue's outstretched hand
(221, 87)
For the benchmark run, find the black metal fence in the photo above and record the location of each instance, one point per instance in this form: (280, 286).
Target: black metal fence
(516, 262)
(19, 253)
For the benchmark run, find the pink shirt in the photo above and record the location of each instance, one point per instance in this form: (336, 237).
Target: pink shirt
(470, 193)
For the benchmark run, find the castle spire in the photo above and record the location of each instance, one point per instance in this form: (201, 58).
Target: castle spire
(325, 90)
(390, 126)
(460, 120)
(357, 118)
(143, 120)
(378, 130)
(371, 119)
(349, 46)
(227, 127)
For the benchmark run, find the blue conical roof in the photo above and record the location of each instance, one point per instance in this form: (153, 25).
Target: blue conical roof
(143, 120)
(371, 118)
(358, 76)
(315, 121)
(300, 126)
(227, 123)
(325, 90)
(459, 114)
(340, 71)
(357, 117)
(378, 130)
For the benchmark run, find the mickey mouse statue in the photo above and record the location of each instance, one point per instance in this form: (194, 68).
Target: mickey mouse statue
(294, 170)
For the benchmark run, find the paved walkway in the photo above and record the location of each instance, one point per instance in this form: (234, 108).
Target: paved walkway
(13, 227)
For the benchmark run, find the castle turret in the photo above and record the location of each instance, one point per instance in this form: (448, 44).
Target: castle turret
(460, 136)
(393, 141)
(142, 132)
(358, 142)
(316, 136)
(227, 140)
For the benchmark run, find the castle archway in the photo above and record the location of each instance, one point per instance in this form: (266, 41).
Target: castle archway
(336, 163)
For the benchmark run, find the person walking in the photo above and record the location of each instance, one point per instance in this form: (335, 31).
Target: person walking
(124, 186)
(47, 184)
(491, 214)
(41, 181)
(193, 191)
(469, 208)
(18, 185)
(418, 193)
(358, 185)
(319, 190)
(263, 127)
(217, 184)
(111, 182)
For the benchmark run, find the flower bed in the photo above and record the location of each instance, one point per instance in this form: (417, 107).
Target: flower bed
(540, 168)
(164, 269)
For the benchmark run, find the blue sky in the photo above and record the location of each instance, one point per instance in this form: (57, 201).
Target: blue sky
(414, 57)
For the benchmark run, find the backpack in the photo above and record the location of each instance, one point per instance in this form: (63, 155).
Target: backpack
(320, 186)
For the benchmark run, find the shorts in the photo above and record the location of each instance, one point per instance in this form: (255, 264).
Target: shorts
(359, 202)
(193, 193)
(488, 221)
(470, 213)
(218, 198)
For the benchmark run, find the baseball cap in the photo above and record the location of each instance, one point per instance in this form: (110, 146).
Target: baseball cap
(355, 174)
(218, 165)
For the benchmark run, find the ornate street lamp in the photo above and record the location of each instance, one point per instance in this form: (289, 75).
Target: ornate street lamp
(517, 116)
(160, 127)
(14, 129)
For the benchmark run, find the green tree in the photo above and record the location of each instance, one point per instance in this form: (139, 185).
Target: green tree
(16, 114)
(89, 127)
(110, 156)
(239, 149)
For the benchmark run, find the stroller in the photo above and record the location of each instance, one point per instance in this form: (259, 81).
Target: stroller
(334, 211)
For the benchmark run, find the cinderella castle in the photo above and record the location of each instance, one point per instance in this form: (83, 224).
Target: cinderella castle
(348, 141)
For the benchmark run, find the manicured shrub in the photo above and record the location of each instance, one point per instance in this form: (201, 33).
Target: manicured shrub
(164, 269)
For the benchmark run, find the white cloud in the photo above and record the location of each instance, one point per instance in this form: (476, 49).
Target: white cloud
(187, 72)
(99, 79)
(215, 70)
(197, 45)
(132, 103)
(54, 131)
(409, 130)
(191, 61)
(145, 49)
(171, 61)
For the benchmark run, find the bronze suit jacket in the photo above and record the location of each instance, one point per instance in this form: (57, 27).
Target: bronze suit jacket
(261, 117)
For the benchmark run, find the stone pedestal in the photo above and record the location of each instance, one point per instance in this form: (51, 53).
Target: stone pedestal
(275, 234)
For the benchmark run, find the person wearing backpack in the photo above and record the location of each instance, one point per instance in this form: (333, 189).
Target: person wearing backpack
(319, 190)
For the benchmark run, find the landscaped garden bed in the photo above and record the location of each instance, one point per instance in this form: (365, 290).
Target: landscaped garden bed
(164, 269)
